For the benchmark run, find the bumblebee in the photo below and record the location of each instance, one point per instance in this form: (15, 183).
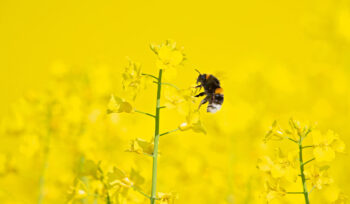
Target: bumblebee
(213, 92)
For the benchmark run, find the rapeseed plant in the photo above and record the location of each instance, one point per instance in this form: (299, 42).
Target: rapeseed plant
(284, 169)
(169, 56)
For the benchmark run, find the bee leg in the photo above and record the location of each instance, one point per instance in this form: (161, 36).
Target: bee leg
(198, 86)
(202, 102)
(200, 94)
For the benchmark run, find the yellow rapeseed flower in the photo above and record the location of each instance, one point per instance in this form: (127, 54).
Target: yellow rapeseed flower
(132, 79)
(119, 178)
(193, 122)
(141, 146)
(326, 145)
(168, 55)
(273, 190)
(275, 133)
(77, 192)
(318, 176)
(341, 199)
(166, 198)
(119, 105)
(280, 167)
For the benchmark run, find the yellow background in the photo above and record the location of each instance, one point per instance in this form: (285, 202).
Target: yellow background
(216, 34)
(276, 59)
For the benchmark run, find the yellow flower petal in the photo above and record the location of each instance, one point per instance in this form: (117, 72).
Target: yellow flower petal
(264, 164)
(176, 58)
(118, 105)
(338, 145)
(324, 154)
(141, 146)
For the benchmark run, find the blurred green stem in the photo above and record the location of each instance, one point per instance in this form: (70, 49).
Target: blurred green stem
(150, 75)
(156, 141)
(165, 133)
(148, 114)
(46, 153)
(140, 191)
(102, 179)
(303, 180)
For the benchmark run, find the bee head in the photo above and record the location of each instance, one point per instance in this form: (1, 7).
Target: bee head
(201, 78)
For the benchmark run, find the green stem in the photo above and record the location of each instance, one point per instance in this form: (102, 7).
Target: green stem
(46, 160)
(165, 133)
(108, 198)
(150, 75)
(43, 173)
(295, 192)
(95, 198)
(292, 140)
(308, 146)
(83, 179)
(313, 187)
(156, 141)
(303, 180)
(148, 114)
(308, 161)
(141, 192)
(172, 85)
(168, 84)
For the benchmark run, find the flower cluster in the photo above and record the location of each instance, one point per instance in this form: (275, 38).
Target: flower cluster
(284, 170)
(168, 57)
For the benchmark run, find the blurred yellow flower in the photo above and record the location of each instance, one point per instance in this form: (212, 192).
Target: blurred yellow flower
(193, 122)
(178, 98)
(166, 198)
(273, 190)
(275, 133)
(326, 145)
(3, 164)
(119, 105)
(281, 167)
(318, 176)
(77, 192)
(341, 199)
(30, 145)
(89, 168)
(133, 80)
(119, 178)
(141, 146)
(136, 177)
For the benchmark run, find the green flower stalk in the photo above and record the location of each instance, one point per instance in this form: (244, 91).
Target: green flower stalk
(156, 140)
(168, 57)
(302, 174)
(46, 153)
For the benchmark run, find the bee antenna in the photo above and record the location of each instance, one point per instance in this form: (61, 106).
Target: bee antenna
(197, 71)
